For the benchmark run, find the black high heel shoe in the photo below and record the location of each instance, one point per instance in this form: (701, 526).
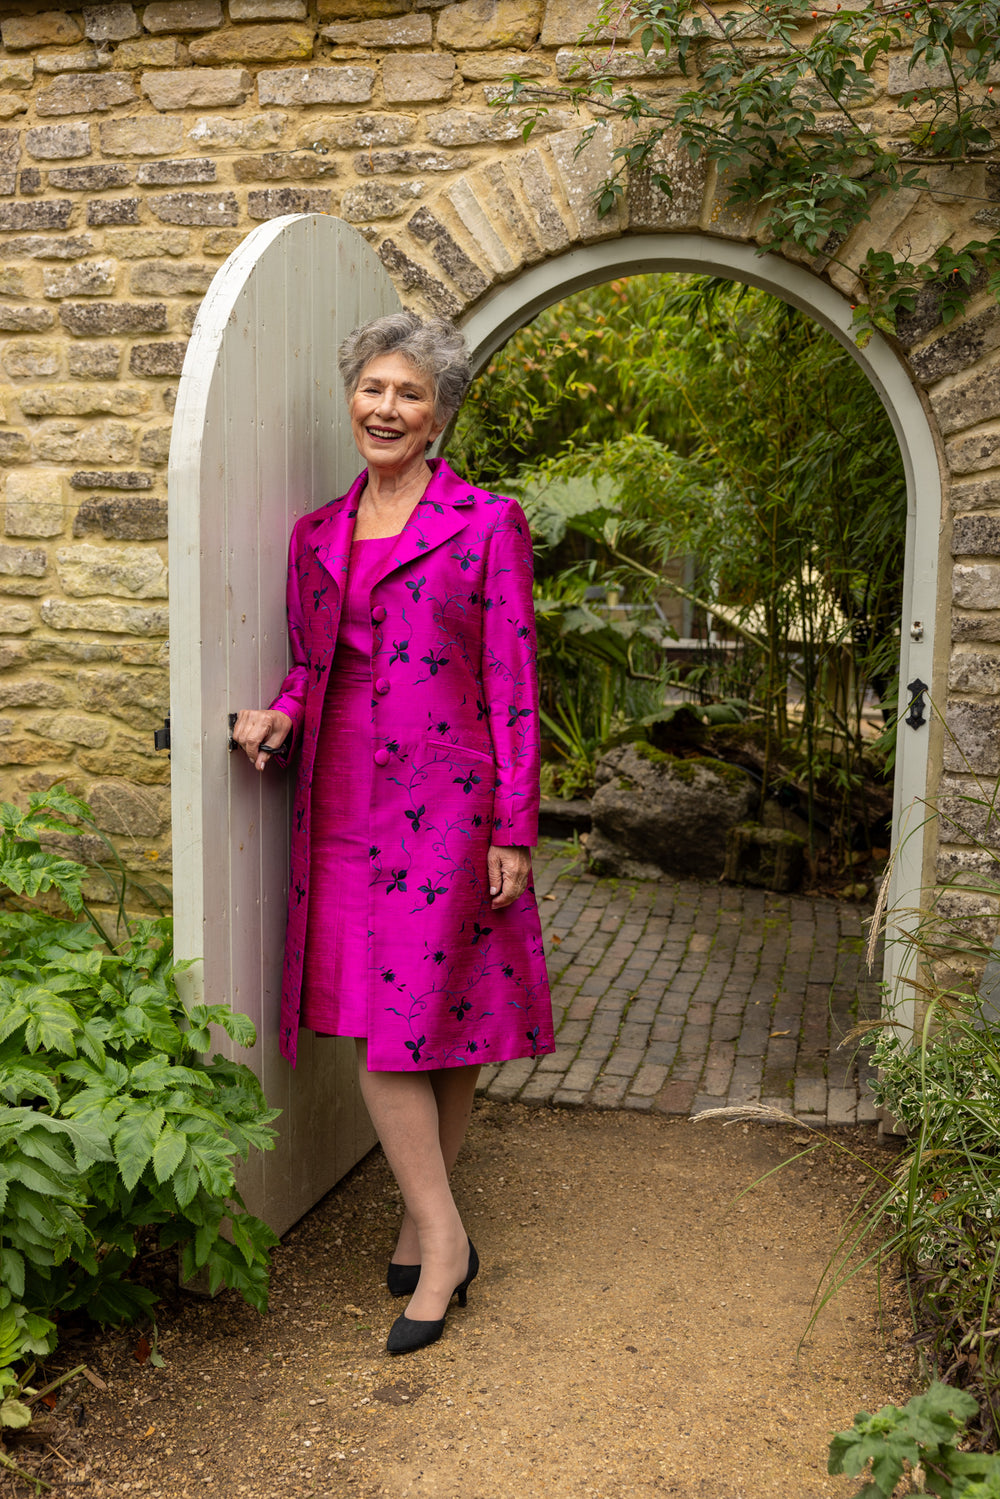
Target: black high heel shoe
(402, 1279)
(407, 1335)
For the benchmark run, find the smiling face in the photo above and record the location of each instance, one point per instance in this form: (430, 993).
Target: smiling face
(392, 414)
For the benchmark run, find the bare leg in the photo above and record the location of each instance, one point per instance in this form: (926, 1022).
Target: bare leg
(404, 1110)
(454, 1089)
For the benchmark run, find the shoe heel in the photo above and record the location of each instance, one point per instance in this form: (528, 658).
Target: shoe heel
(463, 1295)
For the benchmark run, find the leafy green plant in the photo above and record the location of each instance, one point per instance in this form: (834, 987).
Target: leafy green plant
(919, 1439)
(113, 1120)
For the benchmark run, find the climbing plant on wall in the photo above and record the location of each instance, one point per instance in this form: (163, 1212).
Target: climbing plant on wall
(785, 100)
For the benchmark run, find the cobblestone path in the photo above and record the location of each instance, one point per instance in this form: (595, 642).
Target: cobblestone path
(677, 996)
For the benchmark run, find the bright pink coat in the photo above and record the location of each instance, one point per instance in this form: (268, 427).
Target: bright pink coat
(454, 739)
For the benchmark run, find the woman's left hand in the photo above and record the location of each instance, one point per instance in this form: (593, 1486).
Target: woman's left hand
(509, 870)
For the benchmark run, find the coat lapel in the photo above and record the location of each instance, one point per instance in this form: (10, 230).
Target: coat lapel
(332, 536)
(444, 510)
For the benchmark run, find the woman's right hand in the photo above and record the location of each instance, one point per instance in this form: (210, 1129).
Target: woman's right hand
(260, 729)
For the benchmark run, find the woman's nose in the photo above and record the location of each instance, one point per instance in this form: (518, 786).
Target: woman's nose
(387, 400)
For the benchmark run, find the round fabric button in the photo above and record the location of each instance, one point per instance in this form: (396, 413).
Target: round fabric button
(379, 613)
(381, 757)
(382, 686)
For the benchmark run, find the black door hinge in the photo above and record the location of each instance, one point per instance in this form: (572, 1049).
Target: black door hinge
(161, 737)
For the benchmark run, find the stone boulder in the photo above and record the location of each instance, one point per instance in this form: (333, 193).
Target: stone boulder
(656, 814)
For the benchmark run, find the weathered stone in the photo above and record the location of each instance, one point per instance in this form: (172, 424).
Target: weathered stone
(137, 697)
(448, 253)
(379, 200)
(569, 21)
(182, 15)
(959, 348)
(573, 66)
(74, 728)
(404, 31)
(343, 85)
(358, 130)
(145, 137)
(272, 202)
(110, 23)
(291, 42)
(89, 320)
(965, 455)
(141, 244)
(972, 742)
(540, 195)
(84, 59)
(977, 494)
(968, 402)
(87, 278)
(414, 277)
(196, 208)
(50, 29)
(16, 619)
(35, 504)
(196, 88)
(14, 448)
(31, 359)
(29, 181)
(252, 133)
(418, 76)
(583, 166)
(267, 10)
(474, 25)
(166, 278)
(84, 400)
(374, 162)
(157, 359)
(123, 810)
(26, 319)
(652, 812)
(135, 763)
(221, 241)
(123, 517)
(474, 127)
(468, 207)
(482, 67)
(118, 572)
(347, 10)
(155, 445)
(90, 179)
(111, 479)
(191, 169)
(275, 166)
(31, 693)
(15, 282)
(16, 72)
(53, 213)
(10, 155)
(79, 93)
(50, 247)
(11, 105)
(30, 751)
(99, 442)
(95, 361)
(974, 671)
(507, 210)
(767, 858)
(151, 52)
(976, 536)
(976, 585)
(116, 619)
(19, 562)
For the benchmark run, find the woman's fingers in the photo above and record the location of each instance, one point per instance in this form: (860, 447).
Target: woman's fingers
(508, 871)
(260, 729)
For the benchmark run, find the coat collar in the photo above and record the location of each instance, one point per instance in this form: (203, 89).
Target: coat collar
(441, 512)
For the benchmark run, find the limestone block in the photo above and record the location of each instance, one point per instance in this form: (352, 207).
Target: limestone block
(80, 93)
(16, 619)
(976, 536)
(572, 66)
(144, 137)
(140, 244)
(476, 127)
(379, 200)
(87, 278)
(182, 15)
(30, 693)
(53, 213)
(170, 278)
(135, 763)
(278, 166)
(540, 194)
(23, 562)
(976, 494)
(965, 455)
(404, 31)
(151, 52)
(110, 23)
(267, 10)
(960, 348)
(196, 88)
(85, 59)
(11, 105)
(468, 206)
(163, 173)
(88, 320)
(155, 445)
(365, 130)
(26, 319)
(272, 202)
(84, 400)
(121, 572)
(371, 163)
(30, 751)
(14, 448)
(111, 479)
(976, 585)
(343, 85)
(50, 29)
(115, 619)
(122, 517)
(649, 207)
(418, 76)
(567, 21)
(484, 67)
(35, 504)
(50, 247)
(196, 208)
(974, 671)
(29, 181)
(123, 809)
(221, 241)
(137, 697)
(583, 169)
(252, 133)
(475, 25)
(448, 253)
(413, 277)
(17, 283)
(973, 741)
(505, 209)
(157, 359)
(968, 402)
(95, 361)
(290, 42)
(74, 728)
(99, 442)
(31, 359)
(92, 179)
(978, 627)
(966, 812)
(17, 72)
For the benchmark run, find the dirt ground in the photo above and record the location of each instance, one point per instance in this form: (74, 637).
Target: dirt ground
(634, 1331)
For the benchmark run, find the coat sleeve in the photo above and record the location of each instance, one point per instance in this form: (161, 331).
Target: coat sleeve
(510, 680)
(291, 698)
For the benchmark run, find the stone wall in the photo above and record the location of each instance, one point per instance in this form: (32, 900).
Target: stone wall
(140, 144)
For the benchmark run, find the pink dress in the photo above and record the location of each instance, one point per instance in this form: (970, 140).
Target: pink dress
(335, 977)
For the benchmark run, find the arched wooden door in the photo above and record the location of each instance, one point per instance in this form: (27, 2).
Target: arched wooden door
(260, 436)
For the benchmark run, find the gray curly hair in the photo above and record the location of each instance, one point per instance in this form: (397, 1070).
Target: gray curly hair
(435, 347)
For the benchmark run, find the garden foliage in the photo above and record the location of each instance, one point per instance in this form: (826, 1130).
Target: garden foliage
(919, 1440)
(113, 1120)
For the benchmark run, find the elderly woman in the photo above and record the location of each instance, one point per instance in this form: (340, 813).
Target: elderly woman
(411, 703)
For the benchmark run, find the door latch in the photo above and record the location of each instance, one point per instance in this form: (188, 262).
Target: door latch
(916, 689)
